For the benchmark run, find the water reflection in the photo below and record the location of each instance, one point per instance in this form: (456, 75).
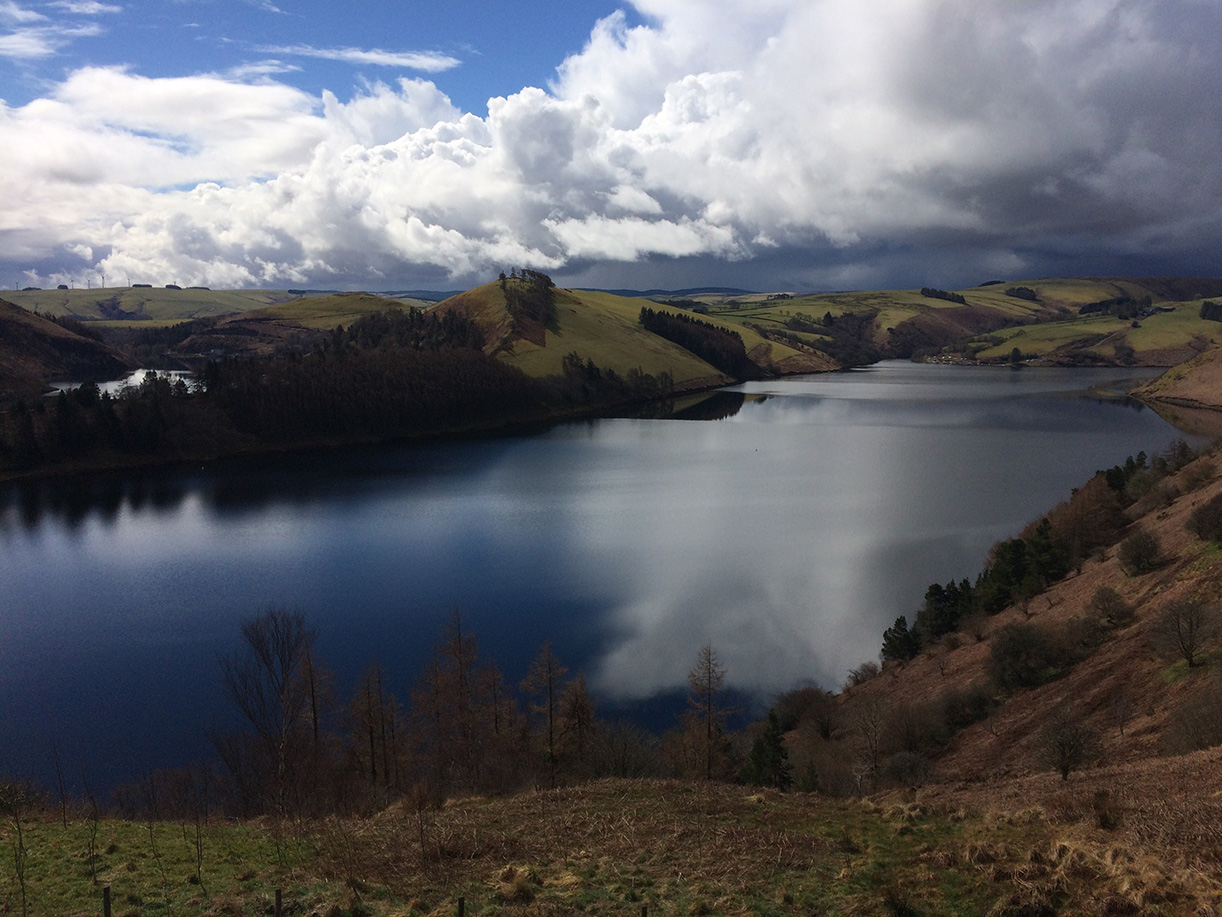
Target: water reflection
(788, 533)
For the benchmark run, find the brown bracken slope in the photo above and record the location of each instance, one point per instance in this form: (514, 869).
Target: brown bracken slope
(35, 351)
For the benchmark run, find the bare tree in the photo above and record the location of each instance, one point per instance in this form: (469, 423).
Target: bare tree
(1185, 627)
(542, 682)
(577, 726)
(16, 800)
(268, 682)
(706, 704)
(869, 718)
(1067, 744)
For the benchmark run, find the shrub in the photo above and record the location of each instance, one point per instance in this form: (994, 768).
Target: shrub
(1198, 474)
(808, 707)
(915, 728)
(862, 674)
(906, 768)
(1195, 724)
(1206, 520)
(1184, 629)
(1024, 655)
(963, 706)
(1139, 553)
(1067, 744)
(1082, 634)
(1114, 610)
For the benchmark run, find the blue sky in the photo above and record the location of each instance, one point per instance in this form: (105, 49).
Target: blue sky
(770, 144)
(472, 49)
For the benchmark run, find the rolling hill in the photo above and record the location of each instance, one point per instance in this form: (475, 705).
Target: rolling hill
(604, 328)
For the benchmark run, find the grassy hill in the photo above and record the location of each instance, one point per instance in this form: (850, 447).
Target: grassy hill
(1043, 318)
(140, 306)
(603, 327)
(991, 320)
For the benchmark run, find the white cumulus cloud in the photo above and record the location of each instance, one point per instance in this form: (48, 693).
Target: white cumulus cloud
(836, 142)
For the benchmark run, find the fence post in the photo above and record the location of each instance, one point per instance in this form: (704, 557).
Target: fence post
(279, 904)
(462, 907)
(106, 901)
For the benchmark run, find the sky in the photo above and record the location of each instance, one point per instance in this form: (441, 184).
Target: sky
(763, 144)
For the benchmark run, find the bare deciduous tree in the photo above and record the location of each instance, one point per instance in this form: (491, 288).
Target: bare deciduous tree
(1067, 744)
(542, 682)
(1185, 627)
(268, 682)
(706, 702)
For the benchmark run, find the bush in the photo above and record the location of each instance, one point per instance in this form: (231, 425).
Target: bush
(862, 674)
(808, 707)
(1184, 629)
(963, 706)
(1206, 520)
(1197, 475)
(1067, 744)
(1114, 610)
(1195, 724)
(915, 728)
(1023, 656)
(1139, 553)
(906, 768)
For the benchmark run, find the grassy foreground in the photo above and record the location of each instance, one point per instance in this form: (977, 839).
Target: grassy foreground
(612, 847)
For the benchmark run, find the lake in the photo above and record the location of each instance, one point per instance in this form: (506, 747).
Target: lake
(785, 522)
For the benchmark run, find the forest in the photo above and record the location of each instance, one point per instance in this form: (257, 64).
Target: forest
(719, 348)
(387, 376)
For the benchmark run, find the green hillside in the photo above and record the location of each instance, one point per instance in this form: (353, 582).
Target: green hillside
(1043, 318)
(782, 332)
(141, 306)
(326, 312)
(604, 328)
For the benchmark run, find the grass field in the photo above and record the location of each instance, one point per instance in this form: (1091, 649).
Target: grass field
(326, 312)
(143, 303)
(1164, 331)
(611, 847)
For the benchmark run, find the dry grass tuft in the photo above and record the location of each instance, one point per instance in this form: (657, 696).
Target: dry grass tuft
(516, 884)
(984, 853)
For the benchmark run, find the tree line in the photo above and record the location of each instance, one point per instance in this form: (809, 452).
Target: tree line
(934, 293)
(1019, 568)
(301, 747)
(530, 297)
(718, 347)
(392, 375)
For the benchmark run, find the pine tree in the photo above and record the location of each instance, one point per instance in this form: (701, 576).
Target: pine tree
(768, 764)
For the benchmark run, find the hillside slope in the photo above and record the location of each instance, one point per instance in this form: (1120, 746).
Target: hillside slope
(1152, 321)
(604, 328)
(35, 351)
(1142, 709)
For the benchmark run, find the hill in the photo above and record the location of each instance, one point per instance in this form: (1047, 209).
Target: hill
(1145, 321)
(144, 306)
(35, 351)
(1134, 320)
(604, 328)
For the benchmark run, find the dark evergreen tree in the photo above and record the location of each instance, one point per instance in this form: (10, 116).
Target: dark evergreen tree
(768, 763)
(900, 643)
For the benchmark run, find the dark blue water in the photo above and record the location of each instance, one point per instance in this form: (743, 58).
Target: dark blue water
(788, 532)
